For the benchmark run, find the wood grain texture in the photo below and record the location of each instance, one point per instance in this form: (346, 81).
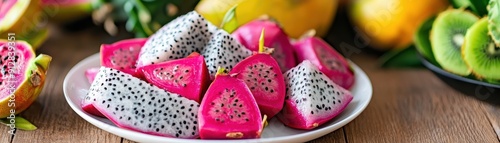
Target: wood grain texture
(5, 137)
(493, 114)
(414, 106)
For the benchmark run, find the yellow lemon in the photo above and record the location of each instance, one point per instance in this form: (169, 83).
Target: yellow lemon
(392, 23)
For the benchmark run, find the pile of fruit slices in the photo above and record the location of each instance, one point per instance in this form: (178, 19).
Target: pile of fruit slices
(462, 43)
(193, 80)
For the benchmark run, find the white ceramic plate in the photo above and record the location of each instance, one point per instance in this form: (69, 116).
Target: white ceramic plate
(76, 87)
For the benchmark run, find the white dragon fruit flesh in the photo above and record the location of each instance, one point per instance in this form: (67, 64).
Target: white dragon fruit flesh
(311, 97)
(134, 104)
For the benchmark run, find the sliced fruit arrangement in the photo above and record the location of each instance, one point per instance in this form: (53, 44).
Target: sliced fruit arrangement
(22, 77)
(462, 43)
(193, 80)
(23, 18)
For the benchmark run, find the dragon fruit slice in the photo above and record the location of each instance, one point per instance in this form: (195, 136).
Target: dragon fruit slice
(263, 76)
(229, 111)
(134, 104)
(275, 38)
(223, 51)
(22, 76)
(90, 74)
(122, 55)
(329, 61)
(311, 97)
(184, 35)
(187, 77)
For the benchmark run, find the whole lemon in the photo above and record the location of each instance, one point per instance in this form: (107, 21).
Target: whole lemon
(392, 23)
(295, 16)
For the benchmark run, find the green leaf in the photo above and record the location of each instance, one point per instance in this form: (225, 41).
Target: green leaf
(479, 7)
(20, 123)
(401, 58)
(460, 3)
(422, 40)
(230, 23)
(494, 21)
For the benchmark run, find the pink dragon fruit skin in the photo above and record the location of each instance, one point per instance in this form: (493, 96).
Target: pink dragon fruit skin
(312, 99)
(248, 35)
(329, 61)
(262, 75)
(187, 76)
(87, 106)
(229, 111)
(134, 104)
(90, 74)
(122, 55)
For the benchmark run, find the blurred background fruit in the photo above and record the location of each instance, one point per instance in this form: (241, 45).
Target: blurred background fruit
(296, 16)
(66, 10)
(23, 18)
(391, 24)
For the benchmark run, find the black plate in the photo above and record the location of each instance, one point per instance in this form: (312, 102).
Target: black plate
(481, 90)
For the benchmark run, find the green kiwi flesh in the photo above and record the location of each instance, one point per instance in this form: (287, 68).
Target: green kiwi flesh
(480, 52)
(448, 32)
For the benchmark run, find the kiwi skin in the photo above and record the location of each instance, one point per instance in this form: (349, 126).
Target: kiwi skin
(446, 36)
(480, 53)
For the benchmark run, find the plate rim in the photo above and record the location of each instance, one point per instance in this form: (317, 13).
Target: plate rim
(306, 136)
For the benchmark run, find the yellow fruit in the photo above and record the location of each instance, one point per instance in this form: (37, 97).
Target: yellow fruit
(392, 23)
(295, 16)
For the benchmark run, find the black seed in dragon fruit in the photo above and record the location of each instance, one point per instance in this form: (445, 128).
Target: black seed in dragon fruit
(184, 35)
(311, 97)
(134, 104)
(223, 51)
(122, 55)
(187, 76)
(229, 111)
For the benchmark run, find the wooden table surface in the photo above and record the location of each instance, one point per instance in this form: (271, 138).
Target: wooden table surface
(408, 105)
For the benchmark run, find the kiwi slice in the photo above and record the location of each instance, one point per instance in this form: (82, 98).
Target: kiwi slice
(447, 38)
(480, 52)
